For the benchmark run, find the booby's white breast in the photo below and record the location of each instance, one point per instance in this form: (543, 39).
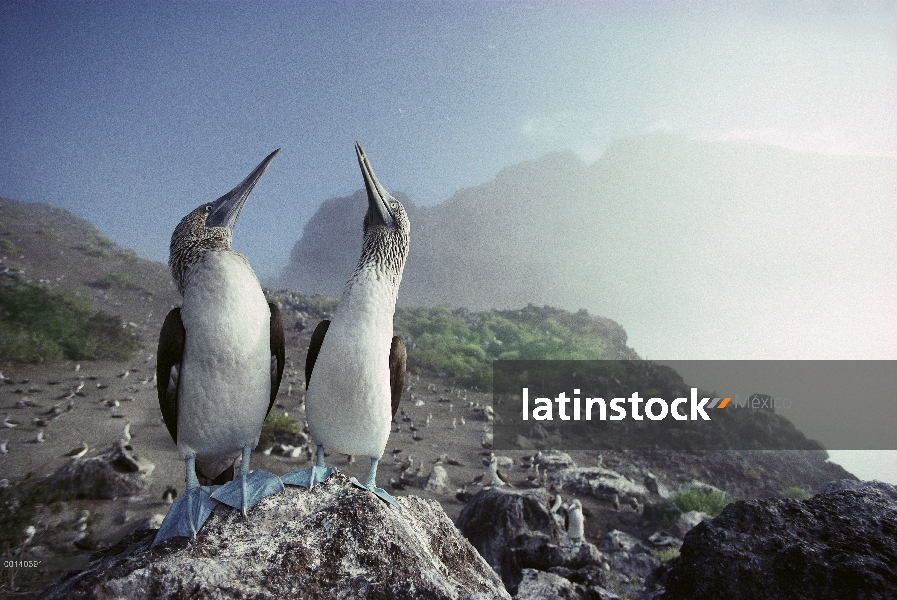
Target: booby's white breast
(348, 401)
(577, 523)
(225, 379)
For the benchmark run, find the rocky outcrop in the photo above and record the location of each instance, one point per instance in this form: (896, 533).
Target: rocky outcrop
(115, 473)
(335, 540)
(841, 544)
(516, 534)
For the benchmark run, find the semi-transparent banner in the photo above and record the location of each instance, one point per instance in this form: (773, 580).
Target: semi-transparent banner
(695, 405)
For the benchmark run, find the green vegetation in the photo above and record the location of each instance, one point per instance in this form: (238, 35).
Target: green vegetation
(463, 345)
(321, 303)
(18, 506)
(706, 501)
(122, 281)
(667, 554)
(39, 324)
(275, 424)
(8, 247)
(97, 245)
(797, 493)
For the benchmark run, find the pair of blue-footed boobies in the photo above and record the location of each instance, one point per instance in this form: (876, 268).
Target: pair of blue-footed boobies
(221, 357)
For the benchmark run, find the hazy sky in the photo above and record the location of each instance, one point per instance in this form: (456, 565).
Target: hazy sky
(132, 113)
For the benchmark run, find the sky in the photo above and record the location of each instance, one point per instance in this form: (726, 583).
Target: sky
(131, 114)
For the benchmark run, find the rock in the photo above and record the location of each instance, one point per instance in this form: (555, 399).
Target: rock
(852, 484)
(553, 460)
(620, 541)
(687, 521)
(115, 473)
(437, 482)
(539, 585)
(603, 484)
(840, 545)
(335, 540)
(655, 486)
(494, 518)
(537, 551)
(660, 540)
(641, 564)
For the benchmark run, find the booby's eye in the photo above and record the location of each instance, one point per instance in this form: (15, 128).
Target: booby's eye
(208, 208)
(393, 204)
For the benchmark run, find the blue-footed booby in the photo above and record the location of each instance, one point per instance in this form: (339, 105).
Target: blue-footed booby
(355, 368)
(219, 363)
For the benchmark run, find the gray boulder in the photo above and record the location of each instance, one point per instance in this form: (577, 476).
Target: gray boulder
(840, 545)
(539, 585)
(493, 519)
(604, 484)
(333, 541)
(117, 472)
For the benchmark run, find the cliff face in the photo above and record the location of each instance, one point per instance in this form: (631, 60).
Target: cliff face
(333, 540)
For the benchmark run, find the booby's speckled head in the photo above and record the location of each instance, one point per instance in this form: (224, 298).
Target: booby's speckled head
(386, 226)
(210, 227)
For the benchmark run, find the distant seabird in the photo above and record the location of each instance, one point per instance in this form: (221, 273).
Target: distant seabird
(9, 423)
(558, 501)
(78, 452)
(219, 363)
(39, 438)
(497, 476)
(355, 368)
(575, 523)
(4, 446)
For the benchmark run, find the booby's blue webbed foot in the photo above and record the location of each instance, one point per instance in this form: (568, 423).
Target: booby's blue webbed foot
(188, 513)
(247, 488)
(370, 485)
(308, 477)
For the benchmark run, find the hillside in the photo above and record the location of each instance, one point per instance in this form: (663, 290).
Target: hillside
(48, 245)
(702, 249)
(444, 416)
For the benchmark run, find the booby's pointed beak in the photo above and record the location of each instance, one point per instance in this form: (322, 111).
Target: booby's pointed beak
(378, 197)
(226, 209)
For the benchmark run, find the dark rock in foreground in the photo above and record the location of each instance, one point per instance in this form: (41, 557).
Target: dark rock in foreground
(333, 541)
(840, 545)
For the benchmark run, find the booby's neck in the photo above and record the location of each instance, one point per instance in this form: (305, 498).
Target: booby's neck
(184, 271)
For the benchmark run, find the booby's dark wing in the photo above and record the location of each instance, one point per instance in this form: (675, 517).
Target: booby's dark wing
(278, 352)
(397, 359)
(168, 367)
(317, 338)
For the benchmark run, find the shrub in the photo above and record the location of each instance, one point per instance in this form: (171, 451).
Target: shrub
(277, 423)
(122, 281)
(796, 493)
(38, 324)
(696, 498)
(667, 554)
